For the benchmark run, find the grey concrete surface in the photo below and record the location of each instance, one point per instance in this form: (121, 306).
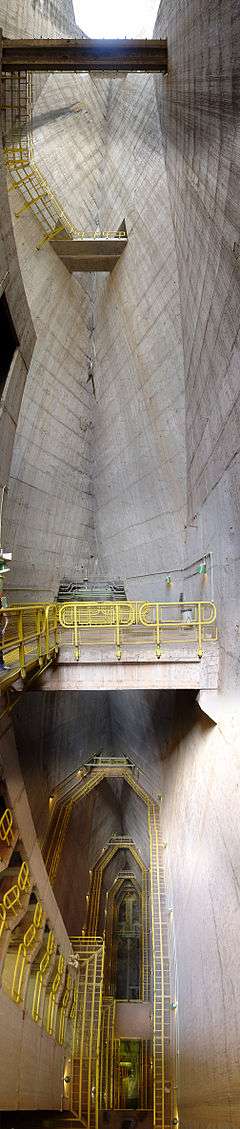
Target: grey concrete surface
(145, 477)
(167, 319)
(200, 813)
(31, 1063)
(194, 765)
(199, 112)
(11, 285)
(140, 672)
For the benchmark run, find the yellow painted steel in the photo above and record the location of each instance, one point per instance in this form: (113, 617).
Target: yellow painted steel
(52, 1002)
(106, 857)
(6, 827)
(112, 1054)
(25, 951)
(154, 966)
(56, 845)
(76, 787)
(110, 913)
(41, 975)
(161, 962)
(93, 989)
(28, 958)
(83, 1018)
(32, 635)
(12, 896)
(98, 1065)
(127, 623)
(31, 638)
(107, 1052)
(25, 176)
(87, 944)
(90, 955)
(64, 1009)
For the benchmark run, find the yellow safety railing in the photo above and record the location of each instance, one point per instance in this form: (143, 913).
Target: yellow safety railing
(86, 1066)
(34, 972)
(42, 970)
(55, 989)
(65, 1008)
(162, 626)
(24, 953)
(6, 827)
(55, 840)
(30, 638)
(12, 895)
(25, 176)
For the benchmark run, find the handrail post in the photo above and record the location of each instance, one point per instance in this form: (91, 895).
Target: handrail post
(46, 629)
(21, 651)
(200, 650)
(38, 626)
(55, 630)
(158, 631)
(75, 635)
(117, 633)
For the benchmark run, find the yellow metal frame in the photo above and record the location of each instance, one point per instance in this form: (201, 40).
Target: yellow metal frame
(28, 956)
(31, 638)
(25, 953)
(111, 897)
(12, 896)
(54, 994)
(32, 635)
(90, 953)
(6, 827)
(55, 841)
(130, 623)
(41, 976)
(25, 176)
(64, 1008)
(77, 785)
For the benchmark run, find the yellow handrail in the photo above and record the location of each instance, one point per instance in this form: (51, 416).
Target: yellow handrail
(29, 638)
(164, 624)
(25, 175)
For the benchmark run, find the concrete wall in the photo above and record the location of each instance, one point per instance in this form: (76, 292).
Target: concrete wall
(199, 112)
(200, 814)
(54, 736)
(195, 766)
(69, 134)
(12, 286)
(168, 314)
(139, 473)
(31, 1063)
(48, 516)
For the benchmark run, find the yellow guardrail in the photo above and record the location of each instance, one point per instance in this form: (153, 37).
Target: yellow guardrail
(28, 636)
(6, 827)
(25, 176)
(12, 895)
(122, 624)
(30, 633)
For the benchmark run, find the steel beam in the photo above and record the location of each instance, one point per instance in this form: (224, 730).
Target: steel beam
(147, 55)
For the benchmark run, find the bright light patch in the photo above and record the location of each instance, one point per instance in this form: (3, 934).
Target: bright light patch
(109, 20)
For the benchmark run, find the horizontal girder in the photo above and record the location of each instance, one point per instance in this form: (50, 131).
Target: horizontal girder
(148, 55)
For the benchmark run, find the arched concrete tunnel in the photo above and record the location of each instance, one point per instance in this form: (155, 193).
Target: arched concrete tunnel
(119, 459)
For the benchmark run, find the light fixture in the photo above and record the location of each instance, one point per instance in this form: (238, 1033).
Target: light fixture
(4, 557)
(202, 568)
(168, 581)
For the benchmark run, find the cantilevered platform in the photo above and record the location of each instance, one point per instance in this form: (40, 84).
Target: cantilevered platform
(93, 253)
(148, 55)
